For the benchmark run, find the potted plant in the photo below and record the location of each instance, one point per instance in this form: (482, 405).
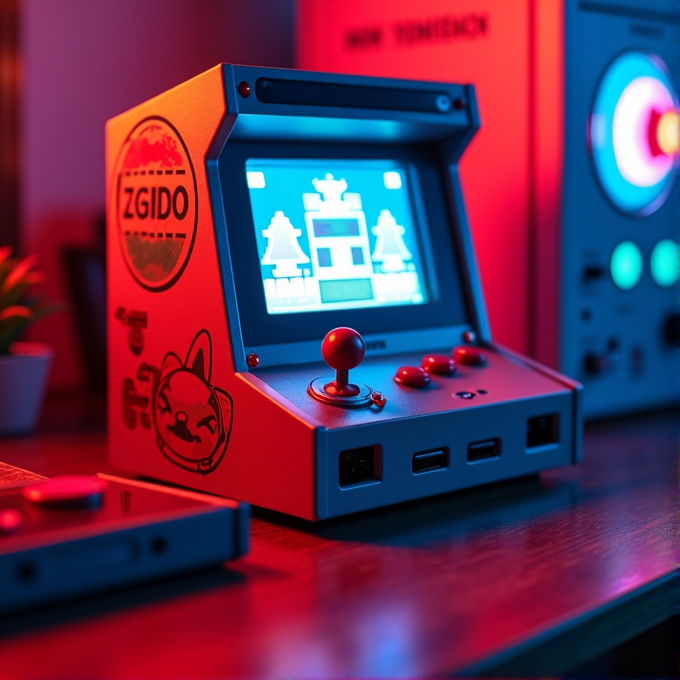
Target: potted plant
(24, 366)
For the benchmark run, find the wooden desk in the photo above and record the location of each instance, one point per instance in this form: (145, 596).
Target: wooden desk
(527, 577)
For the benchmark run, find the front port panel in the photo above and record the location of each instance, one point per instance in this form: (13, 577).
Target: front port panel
(454, 432)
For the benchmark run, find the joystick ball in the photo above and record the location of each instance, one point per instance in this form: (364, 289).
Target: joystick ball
(343, 348)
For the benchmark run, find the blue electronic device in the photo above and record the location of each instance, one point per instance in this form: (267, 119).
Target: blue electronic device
(618, 292)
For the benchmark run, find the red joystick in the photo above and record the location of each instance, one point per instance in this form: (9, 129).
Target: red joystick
(342, 349)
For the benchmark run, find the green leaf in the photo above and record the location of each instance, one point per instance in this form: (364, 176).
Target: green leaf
(6, 267)
(5, 253)
(11, 296)
(18, 307)
(16, 310)
(15, 277)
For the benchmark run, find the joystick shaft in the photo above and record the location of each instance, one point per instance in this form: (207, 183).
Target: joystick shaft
(342, 349)
(341, 379)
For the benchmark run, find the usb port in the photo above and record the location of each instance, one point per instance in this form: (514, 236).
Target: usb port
(542, 431)
(491, 448)
(424, 461)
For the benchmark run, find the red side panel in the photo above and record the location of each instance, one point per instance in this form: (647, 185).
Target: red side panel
(548, 162)
(177, 410)
(484, 42)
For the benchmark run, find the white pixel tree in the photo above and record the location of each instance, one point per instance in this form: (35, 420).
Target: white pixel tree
(390, 249)
(283, 249)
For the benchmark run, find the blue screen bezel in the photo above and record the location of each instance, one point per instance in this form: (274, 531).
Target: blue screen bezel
(447, 305)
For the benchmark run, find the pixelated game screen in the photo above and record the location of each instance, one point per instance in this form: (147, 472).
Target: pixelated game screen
(335, 234)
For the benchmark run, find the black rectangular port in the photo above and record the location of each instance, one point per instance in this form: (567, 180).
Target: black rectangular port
(359, 466)
(489, 448)
(429, 460)
(542, 430)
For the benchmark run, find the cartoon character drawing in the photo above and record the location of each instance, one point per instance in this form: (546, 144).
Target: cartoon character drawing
(136, 322)
(192, 417)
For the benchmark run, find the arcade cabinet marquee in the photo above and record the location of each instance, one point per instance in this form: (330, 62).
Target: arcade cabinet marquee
(296, 318)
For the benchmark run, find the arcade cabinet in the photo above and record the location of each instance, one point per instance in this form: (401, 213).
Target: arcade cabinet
(571, 185)
(295, 314)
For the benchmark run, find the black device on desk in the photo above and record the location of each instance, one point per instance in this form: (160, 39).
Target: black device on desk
(75, 535)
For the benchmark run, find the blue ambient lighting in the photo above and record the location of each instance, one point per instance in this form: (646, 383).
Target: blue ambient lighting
(334, 234)
(665, 263)
(626, 265)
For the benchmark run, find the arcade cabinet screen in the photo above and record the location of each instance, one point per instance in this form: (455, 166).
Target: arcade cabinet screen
(334, 234)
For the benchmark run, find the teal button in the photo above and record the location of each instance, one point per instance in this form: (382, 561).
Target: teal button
(626, 265)
(665, 263)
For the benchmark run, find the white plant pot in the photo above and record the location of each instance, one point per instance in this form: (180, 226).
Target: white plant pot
(23, 378)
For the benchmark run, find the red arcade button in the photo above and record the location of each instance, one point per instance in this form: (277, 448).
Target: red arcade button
(472, 356)
(439, 364)
(413, 376)
(67, 490)
(10, 520)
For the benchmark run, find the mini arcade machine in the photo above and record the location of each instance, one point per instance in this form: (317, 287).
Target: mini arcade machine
(313, 336)
(583, 231)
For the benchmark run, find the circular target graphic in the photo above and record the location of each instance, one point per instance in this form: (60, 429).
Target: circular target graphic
(635, 133)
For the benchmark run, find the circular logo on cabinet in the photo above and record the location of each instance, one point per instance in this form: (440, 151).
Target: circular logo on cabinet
(156, 204)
